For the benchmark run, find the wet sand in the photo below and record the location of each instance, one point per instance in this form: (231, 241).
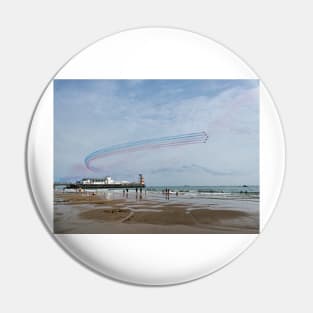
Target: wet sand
(81, 213)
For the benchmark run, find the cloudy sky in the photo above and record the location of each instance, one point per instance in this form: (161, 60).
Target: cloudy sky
(94, 114)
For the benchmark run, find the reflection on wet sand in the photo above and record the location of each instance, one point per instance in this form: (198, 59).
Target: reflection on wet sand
(138, 212)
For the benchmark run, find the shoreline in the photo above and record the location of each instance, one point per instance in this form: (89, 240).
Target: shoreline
(87, 213)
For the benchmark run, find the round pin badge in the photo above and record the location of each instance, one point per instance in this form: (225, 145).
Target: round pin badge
(155, 156)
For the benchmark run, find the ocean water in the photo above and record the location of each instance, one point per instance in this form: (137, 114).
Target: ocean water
(252, 192)
(228, 197)
(208, 189)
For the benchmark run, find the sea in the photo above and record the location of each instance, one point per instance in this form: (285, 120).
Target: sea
(227, 190)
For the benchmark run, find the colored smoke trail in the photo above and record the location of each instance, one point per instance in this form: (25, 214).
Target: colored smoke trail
(146, 144)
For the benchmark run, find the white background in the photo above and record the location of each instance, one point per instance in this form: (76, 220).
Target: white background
(274, 38)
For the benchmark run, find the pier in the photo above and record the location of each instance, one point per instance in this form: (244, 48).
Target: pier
(100, 186)
(105, 183)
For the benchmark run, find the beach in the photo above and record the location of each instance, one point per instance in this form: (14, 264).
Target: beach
(153, 212)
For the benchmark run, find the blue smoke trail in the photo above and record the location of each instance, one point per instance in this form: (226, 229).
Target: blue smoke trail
(146, 144)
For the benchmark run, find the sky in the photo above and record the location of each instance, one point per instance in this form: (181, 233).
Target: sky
(94, 114)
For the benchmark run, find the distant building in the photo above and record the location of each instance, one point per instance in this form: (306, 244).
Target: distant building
(108, 181)
(141, 179)
(97, 181)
